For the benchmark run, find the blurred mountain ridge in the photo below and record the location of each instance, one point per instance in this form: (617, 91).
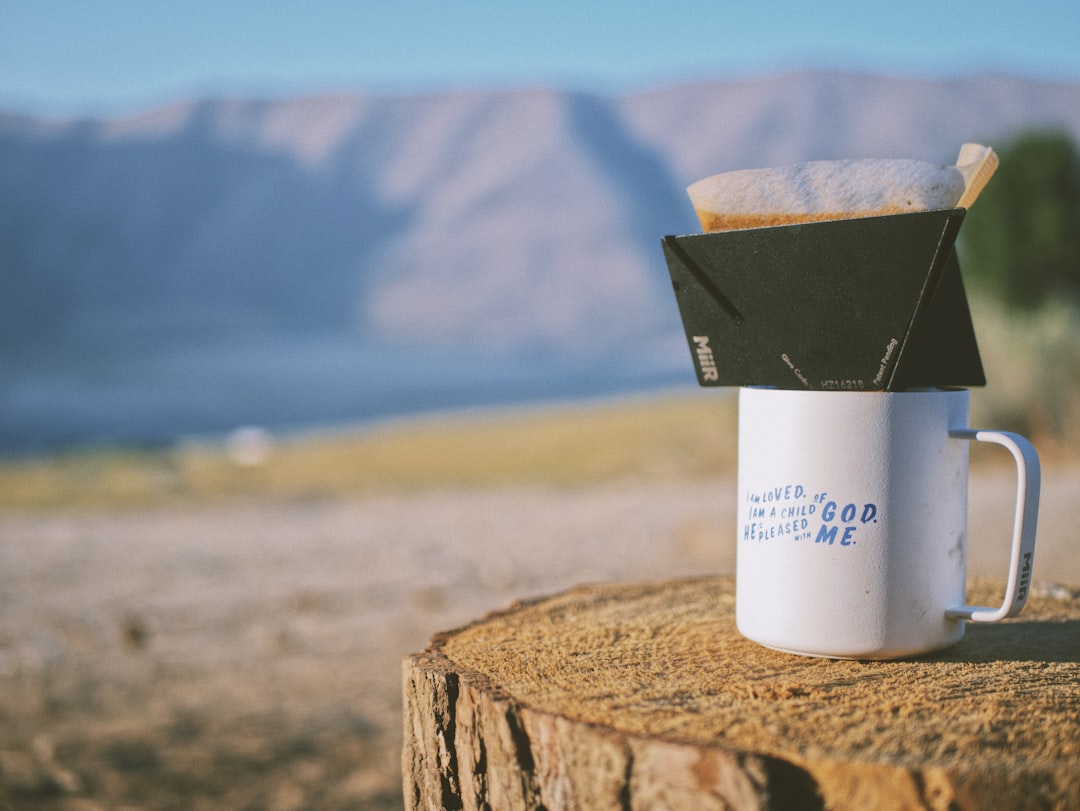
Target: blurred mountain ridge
(220, 262)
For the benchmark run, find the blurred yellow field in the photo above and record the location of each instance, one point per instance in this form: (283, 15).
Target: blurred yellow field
(672, 435)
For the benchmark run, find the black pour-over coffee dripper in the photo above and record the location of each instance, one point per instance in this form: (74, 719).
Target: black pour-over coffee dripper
(873, 303)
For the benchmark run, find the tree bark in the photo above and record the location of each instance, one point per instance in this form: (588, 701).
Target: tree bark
(644, 696)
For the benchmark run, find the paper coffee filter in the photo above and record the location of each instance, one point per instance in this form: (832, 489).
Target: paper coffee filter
(822, 190)
(977, 163)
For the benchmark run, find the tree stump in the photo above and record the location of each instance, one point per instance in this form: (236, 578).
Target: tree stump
(645, 696)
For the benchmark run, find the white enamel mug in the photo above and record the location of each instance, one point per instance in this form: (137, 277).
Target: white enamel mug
(852, 521)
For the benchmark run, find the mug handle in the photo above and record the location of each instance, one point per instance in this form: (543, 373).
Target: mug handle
(1029, 478)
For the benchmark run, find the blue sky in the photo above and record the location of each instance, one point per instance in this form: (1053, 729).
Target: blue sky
(99, 56)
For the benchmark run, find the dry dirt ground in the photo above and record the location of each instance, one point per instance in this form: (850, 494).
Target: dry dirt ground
(247, 655)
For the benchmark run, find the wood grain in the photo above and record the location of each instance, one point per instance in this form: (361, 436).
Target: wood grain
(644, 695)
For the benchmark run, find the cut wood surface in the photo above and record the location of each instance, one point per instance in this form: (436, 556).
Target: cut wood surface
(645, 696)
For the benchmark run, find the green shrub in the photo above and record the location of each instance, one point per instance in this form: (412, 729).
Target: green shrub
(1021, 240)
